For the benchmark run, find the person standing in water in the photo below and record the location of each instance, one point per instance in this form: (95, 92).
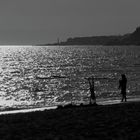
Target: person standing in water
(92, 93)
(122, 86)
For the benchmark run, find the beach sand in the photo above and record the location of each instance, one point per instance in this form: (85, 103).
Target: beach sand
(116, 121)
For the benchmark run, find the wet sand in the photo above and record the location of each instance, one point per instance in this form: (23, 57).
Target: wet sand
(116, 121)
(106, 101)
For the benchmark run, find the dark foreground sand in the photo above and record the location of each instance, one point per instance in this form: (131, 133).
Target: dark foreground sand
(120, 121)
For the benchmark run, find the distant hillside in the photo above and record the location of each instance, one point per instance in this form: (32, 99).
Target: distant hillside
(95, 40)
(134, 38)
(127, 39)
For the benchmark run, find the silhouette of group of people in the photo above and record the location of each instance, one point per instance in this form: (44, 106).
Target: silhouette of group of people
(122, 87)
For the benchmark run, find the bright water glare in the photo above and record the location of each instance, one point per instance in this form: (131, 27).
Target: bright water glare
(35, 76)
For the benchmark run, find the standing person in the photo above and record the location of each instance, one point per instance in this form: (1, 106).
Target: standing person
(92, 93)
(122, 86)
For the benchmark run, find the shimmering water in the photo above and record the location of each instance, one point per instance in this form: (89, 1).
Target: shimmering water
(45, 76)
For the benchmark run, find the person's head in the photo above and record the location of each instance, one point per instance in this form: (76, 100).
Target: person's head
(123, 76)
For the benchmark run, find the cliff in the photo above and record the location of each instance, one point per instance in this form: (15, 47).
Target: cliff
(127, 39)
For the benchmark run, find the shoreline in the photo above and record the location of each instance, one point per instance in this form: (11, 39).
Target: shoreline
(100, 102)
(116, 121)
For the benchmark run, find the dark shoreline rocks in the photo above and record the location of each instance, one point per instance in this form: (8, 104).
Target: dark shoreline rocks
(76, 106)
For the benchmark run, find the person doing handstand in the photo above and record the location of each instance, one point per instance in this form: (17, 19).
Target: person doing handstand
(92, 93)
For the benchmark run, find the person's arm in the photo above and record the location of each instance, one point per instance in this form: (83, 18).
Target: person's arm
(119, 84)
(89, 82)
(92, 81)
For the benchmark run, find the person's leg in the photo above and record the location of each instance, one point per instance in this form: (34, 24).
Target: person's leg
(125, 98)
(90, 102)
(93, 98)
(122, 98)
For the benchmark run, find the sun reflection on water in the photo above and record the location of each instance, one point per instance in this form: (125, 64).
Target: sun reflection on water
(40, 76)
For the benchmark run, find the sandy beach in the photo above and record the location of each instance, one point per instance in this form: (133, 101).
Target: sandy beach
(116, 121)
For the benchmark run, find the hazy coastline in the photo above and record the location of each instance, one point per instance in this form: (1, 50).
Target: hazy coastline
(126, 39)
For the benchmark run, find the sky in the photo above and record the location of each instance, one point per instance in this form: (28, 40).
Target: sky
(43, 21)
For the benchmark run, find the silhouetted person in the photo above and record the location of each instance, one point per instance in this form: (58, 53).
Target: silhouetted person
(122, 86)
(92, 93)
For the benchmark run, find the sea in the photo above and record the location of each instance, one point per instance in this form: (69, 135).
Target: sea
(41, 76)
